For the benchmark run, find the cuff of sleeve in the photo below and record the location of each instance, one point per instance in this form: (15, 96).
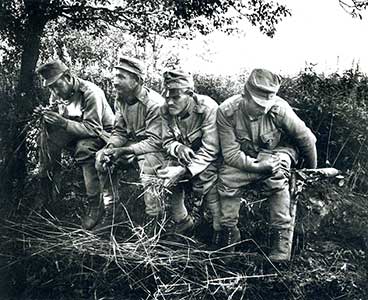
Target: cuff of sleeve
(114, 143)
(137, 149)
(173, 147)
(188, 174)
(69, 126)
(193, 169)
(109, 146)
(247, 161)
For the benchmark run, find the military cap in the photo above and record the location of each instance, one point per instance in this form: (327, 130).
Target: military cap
(262, 85)
(51, 71)
(177, 79)
(131, 64)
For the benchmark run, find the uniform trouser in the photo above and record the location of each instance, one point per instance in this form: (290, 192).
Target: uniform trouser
(203, 185)
(84, 153)
(145, 164)
(231, 180)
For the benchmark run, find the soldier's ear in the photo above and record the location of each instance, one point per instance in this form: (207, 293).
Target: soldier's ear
(67, 77)
(189, 92)
(137, 78)
(140, 80)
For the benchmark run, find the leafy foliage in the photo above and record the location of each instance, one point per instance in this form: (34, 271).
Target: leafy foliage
(23, 24)
(354, 7)
(330, 265)
(220, 87)
(334, 107)
(141, 18)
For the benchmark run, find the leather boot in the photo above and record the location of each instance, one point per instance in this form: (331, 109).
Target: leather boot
(280, 245)
(230, 236)
(94, 196)
(185, 227)
(197, 211)
(94, 212)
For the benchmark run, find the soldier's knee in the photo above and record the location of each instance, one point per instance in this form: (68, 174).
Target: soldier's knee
(275, 184)
(225, 191)
(85, 150)
(281, 175)
(150, 163)
(203, 187)
(283, 172)
(84, 145)
(285, 161)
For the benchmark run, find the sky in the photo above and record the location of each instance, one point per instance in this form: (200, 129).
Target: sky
(319, 32)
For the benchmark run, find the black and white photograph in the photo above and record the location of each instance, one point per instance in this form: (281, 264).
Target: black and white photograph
(183, 150)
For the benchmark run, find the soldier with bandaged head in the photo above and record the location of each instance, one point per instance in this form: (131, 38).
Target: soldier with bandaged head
(261, 138)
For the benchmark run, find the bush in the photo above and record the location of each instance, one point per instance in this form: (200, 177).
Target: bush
(219, 87)
(333, 106)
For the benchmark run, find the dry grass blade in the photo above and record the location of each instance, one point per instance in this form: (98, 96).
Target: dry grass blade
(156, 266)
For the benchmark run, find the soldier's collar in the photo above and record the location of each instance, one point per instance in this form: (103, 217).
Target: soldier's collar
(183, 115)
(199, 108)
(187, 110)
(75, 89)
(142, 94)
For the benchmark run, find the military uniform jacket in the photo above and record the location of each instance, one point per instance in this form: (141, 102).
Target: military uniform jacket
(139, 123)
(196, 128)
(88, 113)
(243, 137)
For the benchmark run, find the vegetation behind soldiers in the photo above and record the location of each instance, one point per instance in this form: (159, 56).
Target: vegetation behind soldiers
(333, 106)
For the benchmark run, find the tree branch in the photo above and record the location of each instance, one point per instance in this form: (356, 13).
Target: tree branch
(354, 7)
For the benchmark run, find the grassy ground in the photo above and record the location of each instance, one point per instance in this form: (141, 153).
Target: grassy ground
(45, 255)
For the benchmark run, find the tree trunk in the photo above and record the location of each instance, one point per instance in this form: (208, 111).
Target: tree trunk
(31, 50)
(25, 101)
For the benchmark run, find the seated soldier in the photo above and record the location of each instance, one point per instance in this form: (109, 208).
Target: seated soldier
(261, 137)
(190, 138)
(82, 123)
(136, 136)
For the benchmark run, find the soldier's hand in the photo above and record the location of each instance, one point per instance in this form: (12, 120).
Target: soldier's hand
(185, 154)
(102, 161)
(116, 153)
(270, 165)
(39, 109)
(171, 174)
(55, 119)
